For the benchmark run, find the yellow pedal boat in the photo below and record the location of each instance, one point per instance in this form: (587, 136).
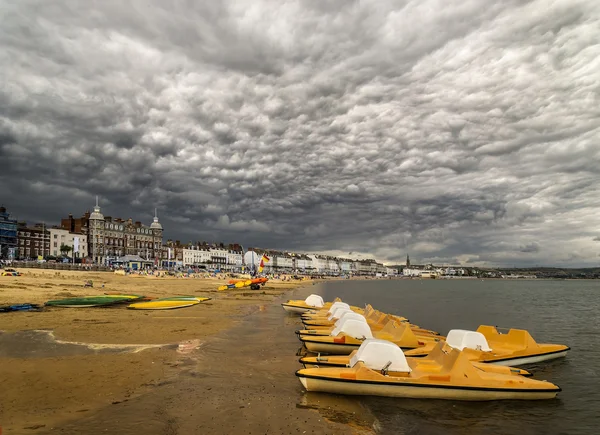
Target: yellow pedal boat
(325, 313)
(351, 333)
(344, 361)
(310, 303)
(379, 368)
(376, 320)
(487, 345)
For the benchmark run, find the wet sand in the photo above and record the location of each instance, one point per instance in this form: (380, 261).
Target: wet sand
(238, 381)
(49, 380)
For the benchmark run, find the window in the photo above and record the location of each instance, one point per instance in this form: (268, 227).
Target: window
(56, 236)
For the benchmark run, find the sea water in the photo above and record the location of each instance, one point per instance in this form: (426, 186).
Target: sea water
(553, 311)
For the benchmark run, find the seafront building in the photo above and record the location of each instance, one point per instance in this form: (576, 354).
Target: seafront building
(109, 238)
(63, 242)
(8, 235)
(213, 256)
(33, 241)
(99, 239)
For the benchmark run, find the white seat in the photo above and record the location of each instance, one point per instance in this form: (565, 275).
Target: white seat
(338, 313)
(337, 305)
(314, 301)
(353, 328)
(377, 354)
(462, 338)
(350, 315)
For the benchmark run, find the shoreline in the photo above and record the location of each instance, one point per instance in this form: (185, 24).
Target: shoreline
(85, 367)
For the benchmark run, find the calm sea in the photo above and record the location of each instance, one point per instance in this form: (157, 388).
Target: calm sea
(565, 312)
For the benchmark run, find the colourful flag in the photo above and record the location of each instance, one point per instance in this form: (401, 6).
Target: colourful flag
(263, 260)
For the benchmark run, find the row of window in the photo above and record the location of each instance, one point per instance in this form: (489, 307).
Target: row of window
(37, 243)
(118, 227)
(34, 235)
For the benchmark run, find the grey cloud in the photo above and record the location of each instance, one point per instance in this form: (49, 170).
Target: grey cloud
(530, 247)
(333, 126)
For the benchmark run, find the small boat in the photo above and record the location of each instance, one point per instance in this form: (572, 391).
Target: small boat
(516, 347)
(376, 320)
(299, 307)
(253, 283)
(168, 303)
(325, 330)
(10, 272)
(351, 333)
(323, 316)
(92, 301)
(380, 368)
(20, 307)
(344, 361)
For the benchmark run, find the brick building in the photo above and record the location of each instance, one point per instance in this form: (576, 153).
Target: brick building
(109, 238)
(33, 241)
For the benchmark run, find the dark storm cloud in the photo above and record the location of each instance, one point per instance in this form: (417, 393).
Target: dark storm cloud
(454, 131)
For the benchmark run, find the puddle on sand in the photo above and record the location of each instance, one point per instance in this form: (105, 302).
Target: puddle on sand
(43, 344)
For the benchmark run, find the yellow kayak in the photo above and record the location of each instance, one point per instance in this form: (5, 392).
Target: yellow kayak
(168, 303)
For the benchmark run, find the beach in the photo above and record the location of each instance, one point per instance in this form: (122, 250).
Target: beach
(65, 364)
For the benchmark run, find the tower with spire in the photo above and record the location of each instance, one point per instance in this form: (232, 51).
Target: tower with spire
(407, 261)
(96, 235)
(157, 233)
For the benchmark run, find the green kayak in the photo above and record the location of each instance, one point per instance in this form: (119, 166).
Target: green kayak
(92, 301)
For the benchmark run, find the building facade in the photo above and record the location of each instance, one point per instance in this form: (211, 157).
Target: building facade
(76, 242)
(195, 256)
(109, 239)
(34, 241)
(8, 235)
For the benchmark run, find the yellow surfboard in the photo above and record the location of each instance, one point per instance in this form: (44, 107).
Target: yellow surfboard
(168, 303)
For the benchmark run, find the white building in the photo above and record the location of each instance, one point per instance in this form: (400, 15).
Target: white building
(304, 263)
(320, 263)
(408, 271)
(195, 256)
(390, 271)
(235, 259)
(282, 262)
(77, 243)
(366, 267)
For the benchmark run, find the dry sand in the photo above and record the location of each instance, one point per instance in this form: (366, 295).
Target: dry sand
(46, 387)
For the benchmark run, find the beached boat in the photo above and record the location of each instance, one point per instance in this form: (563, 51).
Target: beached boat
(380, 368)
(351, 333)
(324, 330)
(170, 303)
(516, 347)
(10, 272)
(91, 301)
(253, 283)
(325, 316)
(299, 307)
(344, 361)
(20, 307)
(376, 320)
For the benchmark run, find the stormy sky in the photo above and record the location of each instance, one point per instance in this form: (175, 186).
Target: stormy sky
(458, 131)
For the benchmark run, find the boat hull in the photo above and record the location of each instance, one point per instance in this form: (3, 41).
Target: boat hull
(533, 359)
(330, 348)
(295, 309)
(348, 387)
